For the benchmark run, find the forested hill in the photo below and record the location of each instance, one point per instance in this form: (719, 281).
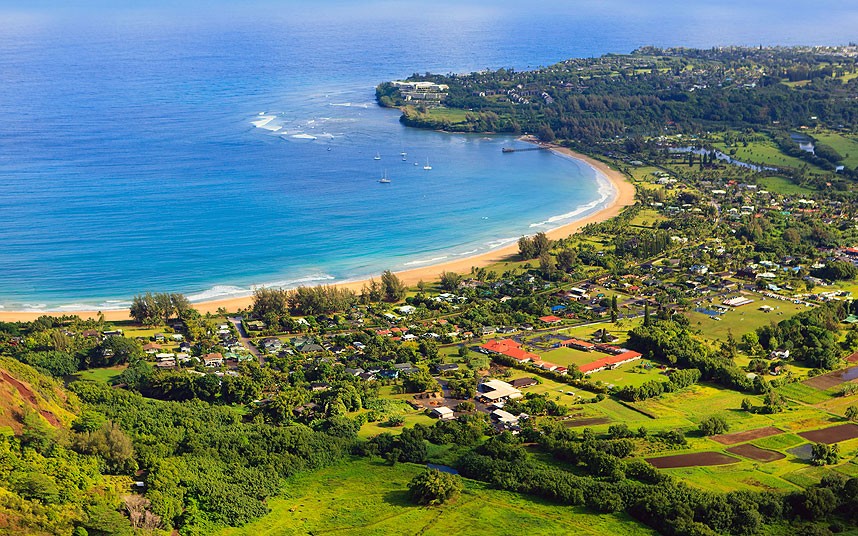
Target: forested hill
(647, 92)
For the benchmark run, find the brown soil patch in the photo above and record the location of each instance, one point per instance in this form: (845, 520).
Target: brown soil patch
(50, 417)
(27, 394)
(696, 459)
(832, 379)
(833, 434)
(589, 421)
(25, 391)
(756, 453)
(747, 435)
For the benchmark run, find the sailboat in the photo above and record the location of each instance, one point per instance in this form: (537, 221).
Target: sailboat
(427, 167)
(384, 179)
(376, 157)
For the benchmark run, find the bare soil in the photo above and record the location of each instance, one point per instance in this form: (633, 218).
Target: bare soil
(746, 435)
(696, 459)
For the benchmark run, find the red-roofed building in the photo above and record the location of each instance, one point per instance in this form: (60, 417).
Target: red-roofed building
(578, 344)
(509, 348)
(610, 362)
(550, 319)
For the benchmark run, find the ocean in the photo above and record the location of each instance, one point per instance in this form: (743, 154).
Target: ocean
(206, 148)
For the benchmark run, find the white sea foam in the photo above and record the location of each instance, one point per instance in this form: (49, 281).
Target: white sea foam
(344, 104)
(292, 283)
(495, 244)
(466, 253)
(303, 136)
(75, 307)
(219, 292)
(33, 307)
(433, 260)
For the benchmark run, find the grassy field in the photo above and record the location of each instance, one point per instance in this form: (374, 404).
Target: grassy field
(369, 497)
(101, 374)
(743, 319)
(765, 153)
(847, 147)
(782, 185)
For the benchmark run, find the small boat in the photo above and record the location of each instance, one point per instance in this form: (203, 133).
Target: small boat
(404, 154)
(427, 167)
(376, 157)
(384, 179)
(416, 163)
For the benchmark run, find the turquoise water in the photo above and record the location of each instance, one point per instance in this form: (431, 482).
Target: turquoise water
(208, 148)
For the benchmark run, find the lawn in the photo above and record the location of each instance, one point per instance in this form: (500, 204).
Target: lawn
(647, 218)
(370, 497)
(101, 374)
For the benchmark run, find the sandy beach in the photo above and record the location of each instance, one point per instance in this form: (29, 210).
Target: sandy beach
(624, 195)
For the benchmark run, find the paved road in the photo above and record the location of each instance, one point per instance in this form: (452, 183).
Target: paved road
(245, 340)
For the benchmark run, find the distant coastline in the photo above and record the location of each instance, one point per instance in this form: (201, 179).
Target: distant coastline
(622, 196)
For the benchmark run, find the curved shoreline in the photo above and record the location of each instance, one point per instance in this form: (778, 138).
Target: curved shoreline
(623, 196)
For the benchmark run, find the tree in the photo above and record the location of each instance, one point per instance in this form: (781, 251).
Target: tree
(394, 289)
(852, 413)
(433, 487)
(450, 281)
(713, 425)
(822, 454)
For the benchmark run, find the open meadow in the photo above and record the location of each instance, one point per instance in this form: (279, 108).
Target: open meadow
(369, 497)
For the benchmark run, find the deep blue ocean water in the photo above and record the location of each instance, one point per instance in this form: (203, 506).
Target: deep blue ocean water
(208, 147)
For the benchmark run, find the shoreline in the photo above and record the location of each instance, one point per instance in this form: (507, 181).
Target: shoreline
(623, 196)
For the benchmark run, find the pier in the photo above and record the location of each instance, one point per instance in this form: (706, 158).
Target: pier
(511, 150)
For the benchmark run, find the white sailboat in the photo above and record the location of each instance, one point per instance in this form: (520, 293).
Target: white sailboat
(376, 157)
(427, 167)
(384, 179)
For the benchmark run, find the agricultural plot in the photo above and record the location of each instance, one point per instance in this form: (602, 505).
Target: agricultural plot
(832, 379)
(756, 453)
(693, 459)
(832, 434)
(747, 435)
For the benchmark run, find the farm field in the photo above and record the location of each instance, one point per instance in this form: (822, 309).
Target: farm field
(369, 497)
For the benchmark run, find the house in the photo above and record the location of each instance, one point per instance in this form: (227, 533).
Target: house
(550, 319)
(602, 335)
(446, 367)
(520, 383)
(310, 348)
(214, 359)
(780, 353)
(443, 413)
(405, 368)
(407, 309)
(354, 371)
